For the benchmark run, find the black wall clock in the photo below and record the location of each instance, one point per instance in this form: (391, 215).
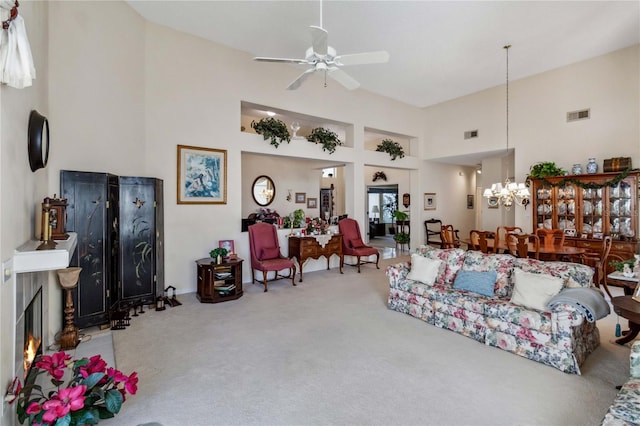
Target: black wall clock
(38, 135)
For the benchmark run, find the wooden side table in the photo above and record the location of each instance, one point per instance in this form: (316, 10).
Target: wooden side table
(219, 282)
(627, 283)
(628, 308)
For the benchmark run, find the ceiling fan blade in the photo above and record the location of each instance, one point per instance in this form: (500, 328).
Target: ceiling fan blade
(343, 78)
(319, 40)
(301, 78)
(379, 57)
(283, 60)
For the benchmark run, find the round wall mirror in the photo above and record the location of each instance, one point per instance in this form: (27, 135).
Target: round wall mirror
(263, 190)
(38, 135)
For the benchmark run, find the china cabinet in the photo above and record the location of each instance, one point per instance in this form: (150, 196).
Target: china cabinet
(588, 207)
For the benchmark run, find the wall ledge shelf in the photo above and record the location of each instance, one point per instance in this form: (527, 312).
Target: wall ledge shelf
(27, 259)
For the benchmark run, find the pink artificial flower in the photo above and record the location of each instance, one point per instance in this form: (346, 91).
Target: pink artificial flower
(130, 382)
(96, 365)
(54, 364)
(34, 408)
(67, 399)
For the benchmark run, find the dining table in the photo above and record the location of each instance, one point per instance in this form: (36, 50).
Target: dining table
(556, 250)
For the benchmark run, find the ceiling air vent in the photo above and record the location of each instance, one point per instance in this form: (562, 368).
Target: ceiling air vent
(578, 115)
(471, 134)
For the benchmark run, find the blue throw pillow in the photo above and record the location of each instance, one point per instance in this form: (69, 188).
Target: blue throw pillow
(477, 282)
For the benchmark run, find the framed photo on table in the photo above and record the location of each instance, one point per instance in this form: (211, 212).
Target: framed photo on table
(227, 244)
(202, 175)
(429, 201)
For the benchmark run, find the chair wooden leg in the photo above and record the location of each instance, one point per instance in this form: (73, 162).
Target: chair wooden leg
(264, 281)
(292, 271)
(377, 260)
(358, 264)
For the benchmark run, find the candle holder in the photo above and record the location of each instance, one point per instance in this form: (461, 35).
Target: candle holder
(68, 281)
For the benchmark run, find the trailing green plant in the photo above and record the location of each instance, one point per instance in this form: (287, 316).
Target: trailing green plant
(394, 149)
(401, 237)
(326, 137)
(545, 169)
(272, 129)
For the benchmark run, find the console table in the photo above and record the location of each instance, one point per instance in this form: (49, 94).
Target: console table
(303, 248)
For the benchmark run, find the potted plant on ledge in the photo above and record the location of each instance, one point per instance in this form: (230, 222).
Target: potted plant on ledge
(272, 129)
(326, 137)
(394, 149)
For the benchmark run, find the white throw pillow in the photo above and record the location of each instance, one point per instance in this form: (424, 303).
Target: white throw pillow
(534, 290)
(423, 269)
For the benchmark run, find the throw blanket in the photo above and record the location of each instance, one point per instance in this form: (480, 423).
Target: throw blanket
(588, 301)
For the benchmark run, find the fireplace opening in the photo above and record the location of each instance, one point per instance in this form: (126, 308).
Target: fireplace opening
(32, 331)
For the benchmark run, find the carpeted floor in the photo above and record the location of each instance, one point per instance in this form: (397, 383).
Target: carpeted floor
(330, 352)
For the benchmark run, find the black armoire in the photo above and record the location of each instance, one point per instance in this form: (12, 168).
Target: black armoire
(119, 222)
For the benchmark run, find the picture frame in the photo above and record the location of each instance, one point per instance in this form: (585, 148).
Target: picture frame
(301, 197)
(430, 202)
(312, 203)
(493, 202)
(470, 201)
(202, 175)
(636, 294)
(227, 244)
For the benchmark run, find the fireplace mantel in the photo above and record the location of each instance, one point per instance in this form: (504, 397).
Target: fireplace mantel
(27, 259)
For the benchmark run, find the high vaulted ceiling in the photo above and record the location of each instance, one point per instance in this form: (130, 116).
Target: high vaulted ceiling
(439, 50)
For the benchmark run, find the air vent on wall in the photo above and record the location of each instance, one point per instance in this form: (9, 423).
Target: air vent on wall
(471, 134)
(578, 115)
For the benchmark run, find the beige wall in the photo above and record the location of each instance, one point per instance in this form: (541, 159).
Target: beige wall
(20, 189)
(121, 100)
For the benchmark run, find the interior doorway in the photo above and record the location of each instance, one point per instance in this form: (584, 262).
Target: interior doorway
(382, 202)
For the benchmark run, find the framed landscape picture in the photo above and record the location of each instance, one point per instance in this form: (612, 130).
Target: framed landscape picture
(312, 203)
(202, 175)
(301, 197)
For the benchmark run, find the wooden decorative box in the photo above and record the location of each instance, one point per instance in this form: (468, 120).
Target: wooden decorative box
(617, 164)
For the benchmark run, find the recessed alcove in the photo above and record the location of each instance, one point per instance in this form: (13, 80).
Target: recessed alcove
(373, 137)
(250, 111)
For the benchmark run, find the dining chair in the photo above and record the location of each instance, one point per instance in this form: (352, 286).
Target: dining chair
(599, 262)
(500, 238)
(449, 237)
(432, 229)
(352, 244)
(518, 245)
(265, 254)
(478, 240)
(550, 238)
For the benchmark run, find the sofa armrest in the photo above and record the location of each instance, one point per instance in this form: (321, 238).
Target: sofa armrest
(634, 360)
(567, 315)
(397, 272)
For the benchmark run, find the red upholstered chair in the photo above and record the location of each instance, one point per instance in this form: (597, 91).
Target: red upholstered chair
(265, 253)
(352, 244)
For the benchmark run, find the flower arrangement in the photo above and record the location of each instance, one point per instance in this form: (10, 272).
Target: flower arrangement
(266, 213)
(317, 226)
(94, 391)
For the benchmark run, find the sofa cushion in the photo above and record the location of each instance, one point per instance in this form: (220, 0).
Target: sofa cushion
(269, 253)
(502, 264)
(452, 259)
(575, 274)
(424, 269)
(534, 290)
(476, 281)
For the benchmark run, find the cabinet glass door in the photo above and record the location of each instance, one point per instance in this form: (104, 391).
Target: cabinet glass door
(544, 207)
(620, 210)
(566, 207)
(592, 211)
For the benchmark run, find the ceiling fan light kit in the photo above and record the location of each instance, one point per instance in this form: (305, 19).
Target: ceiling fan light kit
(323, 58)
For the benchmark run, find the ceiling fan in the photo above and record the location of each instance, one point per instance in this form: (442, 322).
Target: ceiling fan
(322, 57)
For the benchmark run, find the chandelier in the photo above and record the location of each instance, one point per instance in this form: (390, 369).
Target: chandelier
(510, 193)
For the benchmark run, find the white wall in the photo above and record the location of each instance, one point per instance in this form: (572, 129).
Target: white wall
(609, 85)
(20, 189)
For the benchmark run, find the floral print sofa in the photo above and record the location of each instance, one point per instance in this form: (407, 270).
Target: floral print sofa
(561, 338)
(625, 409)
